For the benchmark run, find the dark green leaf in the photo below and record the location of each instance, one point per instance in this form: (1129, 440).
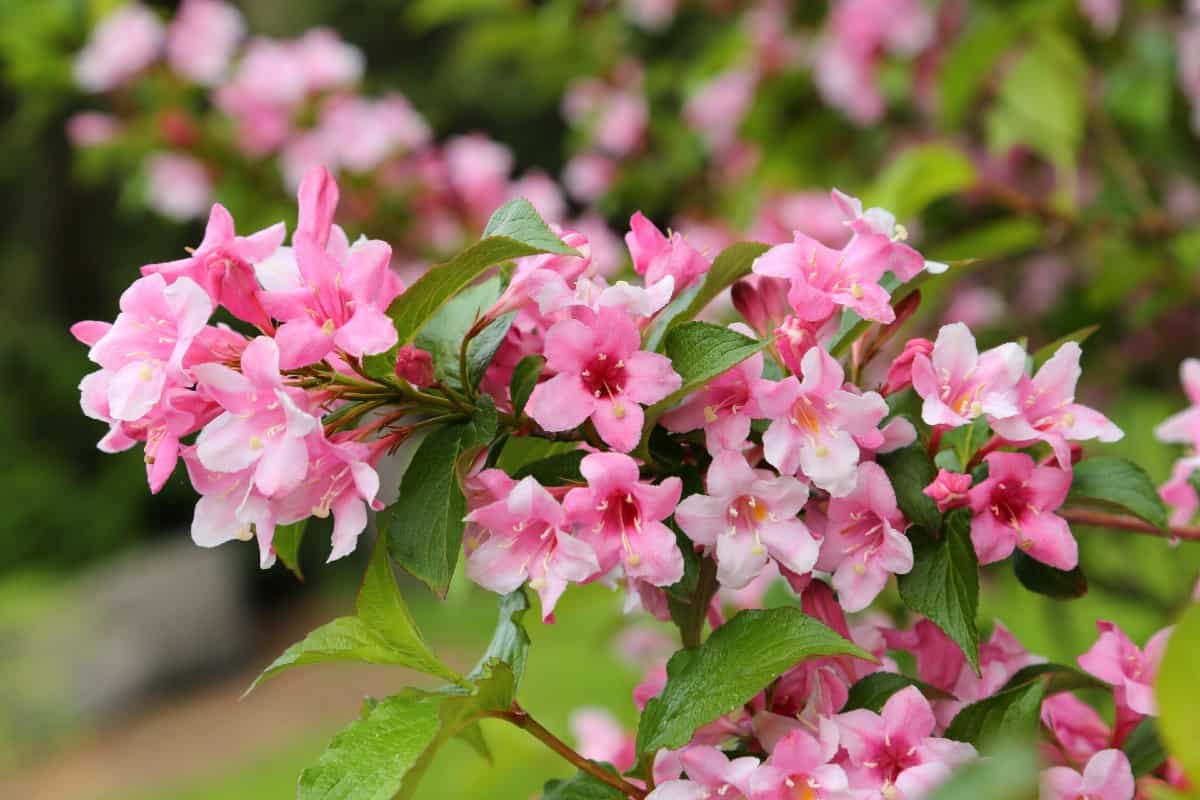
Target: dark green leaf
(483, 347)
(1120, 485)
(733, 263)
(554, 470)
(286, 544)
(518, 219)
(1054, 677)
(1045, 579)
(736, 662)
(874, 690)
(580, 787)
(1010, 714)
(944, 583)
(524, 379)
(910, 471)
(442, 336)
(1144, 748)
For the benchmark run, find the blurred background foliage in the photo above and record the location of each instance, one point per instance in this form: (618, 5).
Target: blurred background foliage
(1060, 155)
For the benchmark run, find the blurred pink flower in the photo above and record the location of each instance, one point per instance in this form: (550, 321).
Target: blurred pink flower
(124, 43)
(178, 186)
(202, 38)
(92, 128)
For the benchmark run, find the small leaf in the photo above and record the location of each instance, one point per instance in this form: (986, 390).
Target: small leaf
(518, 219)
(443, 334)
(554, 470)
(1045, 579)
(1115, 483)
(1144, 748)
(944, 583)
(919, 176)
(910, 471)
(369, 759)
(874, 690)
(736, 662)
(286, 544)
(1055, 678)
(581, 787)
(510, 642)
(1009, 714)
(483, 347)
(1178, 692)
(524, 379)
(1080, 336)
(733, 263)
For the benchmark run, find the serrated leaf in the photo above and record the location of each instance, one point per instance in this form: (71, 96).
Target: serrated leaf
(286, 544)
(369, 759)
(524, 379)
(518, 219)
(1009, 714)
(1045, 579)
(874, 690)
(1178, 692)
(1117, 484)
(483, 347)
(944, 583)
(736, 662)
(910, 471)
(580, 787)
(424, 526)
(734, 262)
(1144, 748)
(554, 470)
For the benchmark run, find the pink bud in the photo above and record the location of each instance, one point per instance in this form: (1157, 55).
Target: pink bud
(762, 302)
(949, 490)
(415, 366)
(899, 375)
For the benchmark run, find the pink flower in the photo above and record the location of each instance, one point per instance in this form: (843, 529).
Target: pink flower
(202, 38)
(655, 256)
(716, 109)
(1078, 729)
(799, 767)
(1179, 493)
(653, 15)
(600, 374)
(959, 384)
(795, 337)
(342, 300)
(1014, 507)
(895, 751)
(811, 213)
(478, 170)
(864, 539)
(1104, 15)
(902, 261)
(601, 738)
(724, 407)
(178, 186)
(326, 61)
(543, 193)
(762, 302)
(230, 507)
(587, 176)
(222, 265)
(817, 426)
(748, 516)
(710, 774)
(1107, 776)
(899, 374)
(621, 518)
(1047, 410)
(949, 490)
(1183, 427)
(264, 425)
(92, 128)
(528, 540)
(621, 123)
(824, 280)
(1131, 671)
(124, 43)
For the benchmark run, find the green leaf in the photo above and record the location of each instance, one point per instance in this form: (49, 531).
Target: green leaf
(554, 470)
(944, 583)
(910, 471)
(1117, 484)
(1137, 91)
(736, 662)
(442, 336)
(970, 62)
(1178, 692)
(874, 690)
(1080, 336)
(483, 347)
(424, 526)
(341, 639)
(1055, 678)
(919, 176)
(1010, 772)
(1045, 579)
(286, 544)
(369, 759)
(733, 263)
(524, 379)
(1144, 748)
(510, 642)
(1009, 714)
(581, 787)
(518, 219)
(1001, 238)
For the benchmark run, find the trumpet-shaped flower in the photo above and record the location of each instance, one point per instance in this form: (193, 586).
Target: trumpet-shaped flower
(902, 261)
(656, 256)
(710, 773)
(1184, 426)
(1107, 776)
(1130, 670)
(230, 507)
(958, 383)
(799, 766)
(748, 517)
(1015, 507)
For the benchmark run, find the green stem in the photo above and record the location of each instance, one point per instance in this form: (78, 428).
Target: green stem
(706, 587)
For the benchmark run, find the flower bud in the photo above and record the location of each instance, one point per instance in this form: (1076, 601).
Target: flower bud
(415, 366)
(899, 376)
(762, 302)
(949, 490)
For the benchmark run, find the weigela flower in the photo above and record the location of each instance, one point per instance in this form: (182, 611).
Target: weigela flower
(655, 256)
(1184, 427)
(601, 738)
(1047, 411)
(621, 518)
(178, 186)
(1107, 776)
(902, 261)
(1130, 670)
(1077, 728)
(948, 490)
(899, 374)
(747, 517)
(1014, 508)
(864, 539)
(230, 508)
(762, 302)
(1179, 493)
(202, 38)
(528, 539)
(600, 373)
(710, 774)
(124, 43)
(817, 426)
(799, 766)
(958, 383)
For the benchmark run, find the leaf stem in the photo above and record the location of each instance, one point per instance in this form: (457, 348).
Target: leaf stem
(1101, 519)
(522, 719)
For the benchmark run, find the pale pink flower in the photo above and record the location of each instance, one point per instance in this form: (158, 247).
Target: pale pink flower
(528, 539)
(811, 213)
(601, 738)
(1047, 410)
(976, 306)
(608, 251)
(656, 256)
(724, 407)
(177, 186)
(1105, 15)
(817, 426)
(1131, 671)
(710, 774)
(895, 751)
(1183, 427)
(799, 766)
(620, 126)
(795, 337)
(543, 193)
(360, 134)
(902, 261)
(1107, 776)
(748, 517)
(587, 176)
(1000, 657)
(1180, 493)
(478, 169)
(1014, 508)
(124, 43)
(600, 373)
(949, 490)
(716, 109)
(621, 518)
(230, 508)
(864, 541)
(958, 383)
(202, 38)
(327, 61)
(653, 15)
(92, 128)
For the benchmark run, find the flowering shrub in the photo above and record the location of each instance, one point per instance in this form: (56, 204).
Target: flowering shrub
(560, 429)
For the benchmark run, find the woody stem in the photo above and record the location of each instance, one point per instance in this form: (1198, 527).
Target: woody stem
(1101, 519)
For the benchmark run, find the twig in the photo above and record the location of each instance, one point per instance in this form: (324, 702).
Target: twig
(1102, 520)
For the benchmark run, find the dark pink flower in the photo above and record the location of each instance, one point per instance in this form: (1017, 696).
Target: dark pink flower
(1014, 508)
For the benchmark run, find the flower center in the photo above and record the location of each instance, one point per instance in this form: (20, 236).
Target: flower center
(604, 376)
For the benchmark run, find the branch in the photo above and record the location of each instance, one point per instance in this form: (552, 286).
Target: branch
(1103, 520)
